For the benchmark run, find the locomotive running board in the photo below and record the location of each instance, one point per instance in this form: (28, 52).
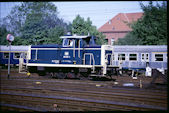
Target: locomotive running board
(63, 65)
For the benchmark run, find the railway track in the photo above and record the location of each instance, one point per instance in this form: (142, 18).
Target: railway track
(72, 103)
(80, 85)
(76, 95)
(110, 96)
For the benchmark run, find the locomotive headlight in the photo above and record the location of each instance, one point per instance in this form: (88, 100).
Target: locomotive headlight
(66, 53)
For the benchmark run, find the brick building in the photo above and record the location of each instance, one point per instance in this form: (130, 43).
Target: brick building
(117, 27)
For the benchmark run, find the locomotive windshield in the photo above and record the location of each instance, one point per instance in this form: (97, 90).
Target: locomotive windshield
(67, 42)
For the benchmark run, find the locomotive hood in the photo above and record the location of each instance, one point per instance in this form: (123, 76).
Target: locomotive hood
(46, 46)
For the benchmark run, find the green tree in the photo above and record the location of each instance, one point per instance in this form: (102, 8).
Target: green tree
(82, 27)
(3, 34)
(128, 40)
(151, 29)
(35, 21)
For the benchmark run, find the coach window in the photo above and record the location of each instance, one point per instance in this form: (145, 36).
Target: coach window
(121, 56)
(147, 56)
(113, 57)
(6, 55)
(133, 57)
(158, 57)
(16, 55)
(112, 41)
(144, 57)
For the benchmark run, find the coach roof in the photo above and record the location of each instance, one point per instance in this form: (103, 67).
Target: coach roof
(14, 48)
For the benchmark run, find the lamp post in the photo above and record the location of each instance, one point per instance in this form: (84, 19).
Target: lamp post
(10, 38)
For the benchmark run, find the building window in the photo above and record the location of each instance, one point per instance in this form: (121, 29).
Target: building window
(158, 57)
(109, 21)
(112, 41)
(17, 55)
(113, 28)
(6, 55)
(121, 56)
(133, 57)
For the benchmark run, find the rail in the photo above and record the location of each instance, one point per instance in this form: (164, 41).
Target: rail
(109, 105)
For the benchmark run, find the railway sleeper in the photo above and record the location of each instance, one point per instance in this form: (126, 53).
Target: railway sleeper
(92, 87)
(14, 107)
(109, 103)
(94, 95)
(117, 91)
(63, 105)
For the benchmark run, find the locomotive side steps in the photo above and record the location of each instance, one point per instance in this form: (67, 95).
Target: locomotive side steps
(22, 66)
(23, 61)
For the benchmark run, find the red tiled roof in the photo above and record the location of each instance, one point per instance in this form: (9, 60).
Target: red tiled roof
(118, 23)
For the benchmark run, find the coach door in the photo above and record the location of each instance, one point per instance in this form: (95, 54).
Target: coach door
(145, 57)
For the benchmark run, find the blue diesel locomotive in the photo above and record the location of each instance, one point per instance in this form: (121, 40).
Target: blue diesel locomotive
(78, 55)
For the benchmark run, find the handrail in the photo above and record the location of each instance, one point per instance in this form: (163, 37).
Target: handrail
(91, 54)
(21, 61)
(110, 57)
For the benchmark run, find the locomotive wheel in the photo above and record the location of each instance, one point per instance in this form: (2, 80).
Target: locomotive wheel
(60, 75)
(41, 73)
(52, 75)
(70, 75)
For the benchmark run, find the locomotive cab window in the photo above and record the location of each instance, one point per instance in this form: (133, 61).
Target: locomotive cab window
(86, 41)
(17, 55)
(6, 55)
(133, 57)
(68, 42)
(65, 42)
(158, 57)
(77, 43)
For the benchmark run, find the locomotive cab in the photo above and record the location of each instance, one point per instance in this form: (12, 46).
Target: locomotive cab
(78, 41)
(73, 49)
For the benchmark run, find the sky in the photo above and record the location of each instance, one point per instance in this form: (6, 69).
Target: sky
(99, 12)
